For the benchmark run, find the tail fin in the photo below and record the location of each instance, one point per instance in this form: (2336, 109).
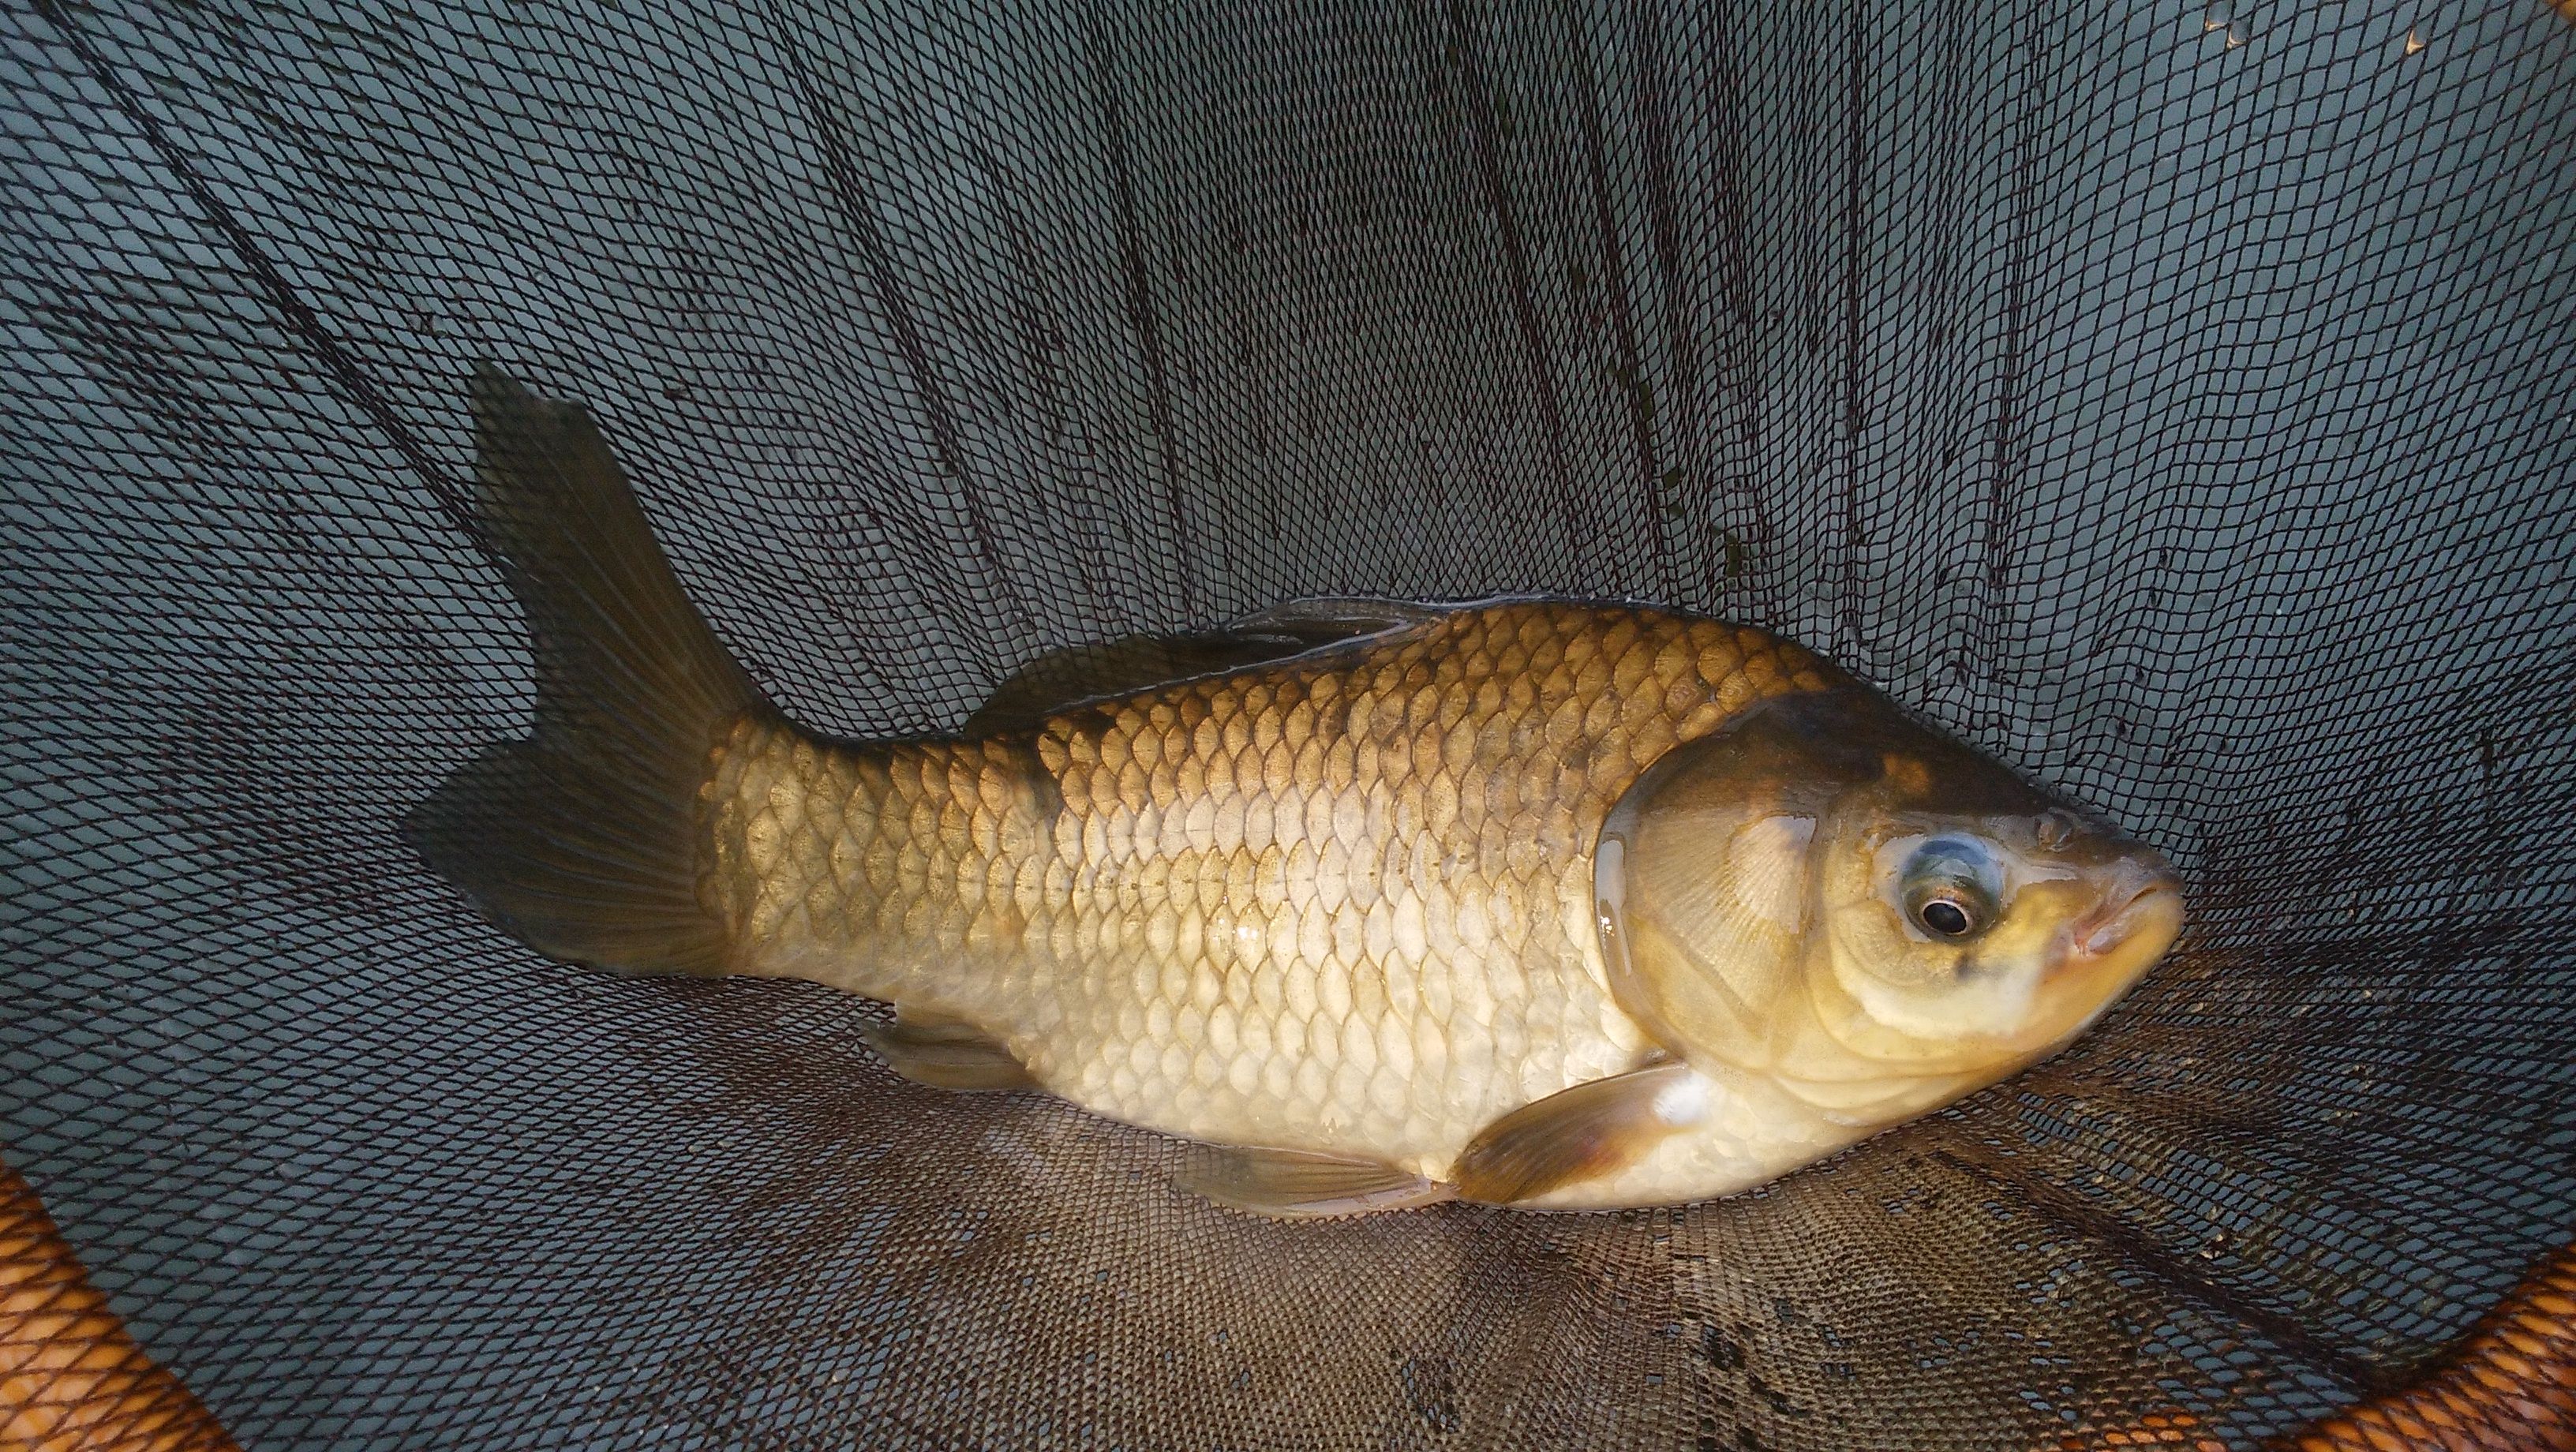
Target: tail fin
(582, 841)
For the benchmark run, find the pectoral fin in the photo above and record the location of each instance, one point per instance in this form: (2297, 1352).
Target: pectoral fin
(947, 1054)
(1294, 1185)
(1579, 1134)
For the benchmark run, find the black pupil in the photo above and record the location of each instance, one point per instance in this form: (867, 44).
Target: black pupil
(1945, 917)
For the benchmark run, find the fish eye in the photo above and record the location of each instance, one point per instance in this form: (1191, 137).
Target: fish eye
(1950, 887)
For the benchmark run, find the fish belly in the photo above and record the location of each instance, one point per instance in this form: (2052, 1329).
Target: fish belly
(1754, 1132)
(1340, 903)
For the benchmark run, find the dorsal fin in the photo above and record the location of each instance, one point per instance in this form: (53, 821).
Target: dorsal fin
(1323, 619)
(1062, 678)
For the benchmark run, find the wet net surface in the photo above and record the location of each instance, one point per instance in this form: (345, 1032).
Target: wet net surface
(2173, 402)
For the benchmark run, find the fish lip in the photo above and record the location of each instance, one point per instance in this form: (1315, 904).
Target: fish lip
(2137, 894)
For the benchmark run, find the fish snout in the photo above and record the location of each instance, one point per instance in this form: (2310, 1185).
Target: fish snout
(2137, 916)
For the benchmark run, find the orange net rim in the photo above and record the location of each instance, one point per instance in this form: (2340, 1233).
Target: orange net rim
(72, 1378)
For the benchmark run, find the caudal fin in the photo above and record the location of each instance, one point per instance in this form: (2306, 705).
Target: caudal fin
(582, 841)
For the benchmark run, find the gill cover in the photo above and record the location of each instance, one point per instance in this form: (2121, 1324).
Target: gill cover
(1703, 869)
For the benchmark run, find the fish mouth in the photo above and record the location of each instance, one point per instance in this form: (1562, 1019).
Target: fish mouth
(2137, 918)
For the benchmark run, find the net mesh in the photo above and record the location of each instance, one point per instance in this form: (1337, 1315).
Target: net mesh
(2172, 401)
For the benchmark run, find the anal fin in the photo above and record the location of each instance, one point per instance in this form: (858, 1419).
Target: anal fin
(1297, 1185)
(1578, 1134)
(947, 1054)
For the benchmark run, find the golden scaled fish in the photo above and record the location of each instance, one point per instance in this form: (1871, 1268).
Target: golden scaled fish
(1540, 903)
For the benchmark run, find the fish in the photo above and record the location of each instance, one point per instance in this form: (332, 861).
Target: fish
(1531, 902)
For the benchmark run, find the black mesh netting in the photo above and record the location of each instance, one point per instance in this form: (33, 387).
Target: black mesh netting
(2174, 401)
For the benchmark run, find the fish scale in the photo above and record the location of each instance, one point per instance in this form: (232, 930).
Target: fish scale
(1340, 903)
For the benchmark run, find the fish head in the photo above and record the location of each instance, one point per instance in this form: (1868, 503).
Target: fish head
(1830, 892)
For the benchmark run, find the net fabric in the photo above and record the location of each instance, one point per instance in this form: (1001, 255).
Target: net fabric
(2171, 401)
